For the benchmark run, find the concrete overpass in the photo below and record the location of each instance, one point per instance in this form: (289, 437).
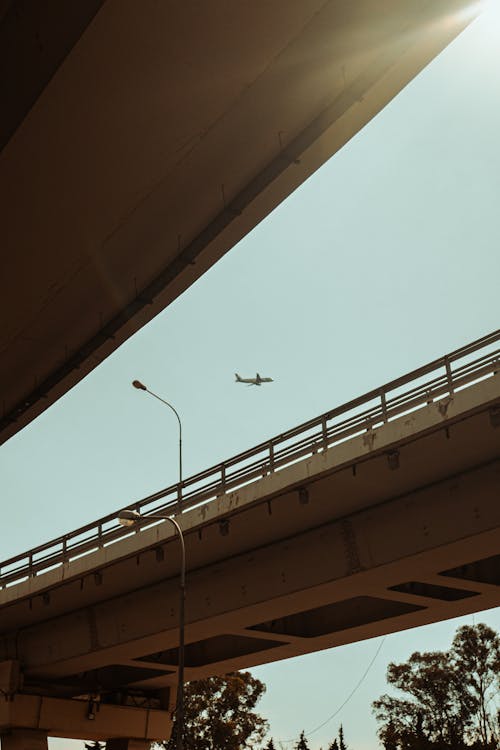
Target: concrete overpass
(377, 516)
(140, 141)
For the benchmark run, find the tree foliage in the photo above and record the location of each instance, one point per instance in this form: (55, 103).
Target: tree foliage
(219, 715)
(338, 742)
(302, 743)
(449, 702)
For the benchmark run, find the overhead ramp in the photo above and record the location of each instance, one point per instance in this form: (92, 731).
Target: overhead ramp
(143, 140)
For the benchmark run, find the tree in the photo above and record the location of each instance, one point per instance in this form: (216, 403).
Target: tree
(475, 652)
(391, 738)
(270, 745)
(449, 703)
(219, 715)
(302, 743)
(339, 744)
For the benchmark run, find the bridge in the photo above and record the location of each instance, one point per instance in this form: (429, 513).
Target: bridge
(140, 141)
(379, 515)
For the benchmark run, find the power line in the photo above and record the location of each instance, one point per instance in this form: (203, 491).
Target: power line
(339, 709)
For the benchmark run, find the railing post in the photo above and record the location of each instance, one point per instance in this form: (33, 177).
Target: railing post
(449, 375)
(99, 536)
(65, 549)
(383, 401)
(271, 456)
(324, 431)
(223, 477)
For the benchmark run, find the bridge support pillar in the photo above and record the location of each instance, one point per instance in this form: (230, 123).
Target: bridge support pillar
(24, 739)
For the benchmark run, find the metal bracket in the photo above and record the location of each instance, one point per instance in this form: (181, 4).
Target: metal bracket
(369, 438)
(303, 495)
(495, 416)
(444, 404)
(393, 460)
(224, 527)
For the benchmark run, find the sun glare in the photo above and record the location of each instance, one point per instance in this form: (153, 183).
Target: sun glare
(491, 8)
(468, 12)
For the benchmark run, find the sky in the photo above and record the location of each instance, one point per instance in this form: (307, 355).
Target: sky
(386, 258)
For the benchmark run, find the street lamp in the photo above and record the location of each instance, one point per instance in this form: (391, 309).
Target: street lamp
(141, 387)
(131, 518)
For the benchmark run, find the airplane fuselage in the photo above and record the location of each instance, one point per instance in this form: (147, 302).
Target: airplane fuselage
(257, 380)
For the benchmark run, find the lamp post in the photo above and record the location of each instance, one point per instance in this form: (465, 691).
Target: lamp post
(141, 387)
(130, 518)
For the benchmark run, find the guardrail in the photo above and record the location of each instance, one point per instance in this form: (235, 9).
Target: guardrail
(448, 374)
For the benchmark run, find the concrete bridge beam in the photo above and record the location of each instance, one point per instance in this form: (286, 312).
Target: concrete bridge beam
(231, 603)
(27, 720)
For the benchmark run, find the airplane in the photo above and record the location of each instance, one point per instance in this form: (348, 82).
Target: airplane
(257, 380)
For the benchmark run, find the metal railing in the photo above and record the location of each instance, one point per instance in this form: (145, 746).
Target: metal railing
(434, 381)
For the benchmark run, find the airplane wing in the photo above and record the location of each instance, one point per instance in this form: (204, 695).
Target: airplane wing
(258, 380)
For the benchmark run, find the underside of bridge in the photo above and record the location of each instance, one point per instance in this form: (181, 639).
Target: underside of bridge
(141, 140)
(394, 528)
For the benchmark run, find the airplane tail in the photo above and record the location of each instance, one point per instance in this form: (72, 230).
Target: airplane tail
(238, 379)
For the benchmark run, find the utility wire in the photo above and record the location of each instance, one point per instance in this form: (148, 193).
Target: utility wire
(355, 688)
(339, 709)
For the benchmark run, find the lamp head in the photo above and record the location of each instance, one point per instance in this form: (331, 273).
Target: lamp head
(129, 517)
(139, 385)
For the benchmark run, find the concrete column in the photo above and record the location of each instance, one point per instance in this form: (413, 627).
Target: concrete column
(24, 739)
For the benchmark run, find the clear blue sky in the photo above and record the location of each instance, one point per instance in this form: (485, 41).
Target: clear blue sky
(386, 258)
